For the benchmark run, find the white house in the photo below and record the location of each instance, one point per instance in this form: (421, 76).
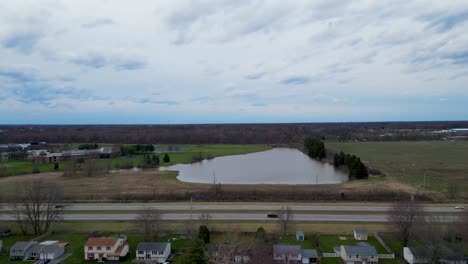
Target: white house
(361, 253)
(152, 252)
(420, 255)
(46, 250)
(360, 234)
(309, 256)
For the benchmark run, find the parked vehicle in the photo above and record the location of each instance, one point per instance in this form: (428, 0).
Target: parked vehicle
(459, 207)
(5, 233)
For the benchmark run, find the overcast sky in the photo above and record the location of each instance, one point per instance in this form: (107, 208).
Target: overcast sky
(101, 62)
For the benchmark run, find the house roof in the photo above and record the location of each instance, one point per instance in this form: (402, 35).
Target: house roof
(309, 253)
(49, 249)
(286, 249)
(361, 249)
(147, 246)
(22, 245)
(120, 248)
(299, 233)
(446, 253)
(101, 241)
(360, 231)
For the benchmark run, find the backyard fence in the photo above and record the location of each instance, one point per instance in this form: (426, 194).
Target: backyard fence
(330, 255)
(377, 236)
(386, 256)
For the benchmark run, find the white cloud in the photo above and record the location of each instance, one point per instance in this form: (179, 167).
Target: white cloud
(283, 57)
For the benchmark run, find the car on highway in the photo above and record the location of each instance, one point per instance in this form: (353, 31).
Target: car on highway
(59, 206)
(272, 215)
(459, 207)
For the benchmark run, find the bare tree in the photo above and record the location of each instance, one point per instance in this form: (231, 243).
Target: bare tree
(261, 253)
(404, 216)
(431, 231)
(221, 253)
(38, 205)
(205, 219)
(285, 217)
(148, 222)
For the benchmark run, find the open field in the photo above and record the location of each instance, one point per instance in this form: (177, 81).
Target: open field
(443, 162)
(157, 185)
(18, 167)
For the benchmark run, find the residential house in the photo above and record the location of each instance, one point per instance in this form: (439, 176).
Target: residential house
(287, 254)
(152, 252)
(309, 256)
(46, 250)
(300, 236)
(105, 248)
(360, 234)
(20, 250)
(361, 253)
(227, 253)
(421, 255)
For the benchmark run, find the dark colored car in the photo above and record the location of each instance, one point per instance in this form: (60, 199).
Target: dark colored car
(272, 215)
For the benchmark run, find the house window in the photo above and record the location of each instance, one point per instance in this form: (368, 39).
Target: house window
(90, 255)
(160, 253)
(90, 248)
(108, 248)
(357, 256)
(155, 252)
(141, 252)
(98, 248)
(101, 255)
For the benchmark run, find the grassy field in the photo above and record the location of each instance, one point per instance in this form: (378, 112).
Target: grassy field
(17, 167)
(308, 243)
(434, 165)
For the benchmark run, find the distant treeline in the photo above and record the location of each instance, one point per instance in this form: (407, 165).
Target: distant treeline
(224, 133)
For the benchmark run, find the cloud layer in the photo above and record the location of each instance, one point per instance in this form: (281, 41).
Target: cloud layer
(232, 61)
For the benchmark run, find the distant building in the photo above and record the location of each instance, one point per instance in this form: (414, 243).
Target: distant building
(21, 249)
(309, 256)
(360, 234)
(361, 253)
(227, 253)
(47, 250)
(421, 255)
(151, 252)
(287, 254)
(300, 236)
(105, 248)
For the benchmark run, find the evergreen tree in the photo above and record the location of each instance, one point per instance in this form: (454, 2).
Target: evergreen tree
(204, 234)
(166, 158)
(260, 235)
(56, 166)
(315, 148)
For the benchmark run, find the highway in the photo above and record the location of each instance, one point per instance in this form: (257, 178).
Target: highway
(236, 217)
(238, 212)
(240, 207)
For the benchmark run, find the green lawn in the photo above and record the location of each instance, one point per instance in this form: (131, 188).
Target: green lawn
(19, 167)
(328, 243)
(308, 243)
(443, 162)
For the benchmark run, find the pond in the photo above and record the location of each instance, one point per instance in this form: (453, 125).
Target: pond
(275, 166)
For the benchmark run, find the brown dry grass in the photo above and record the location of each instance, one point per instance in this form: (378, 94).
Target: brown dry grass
(153, 182)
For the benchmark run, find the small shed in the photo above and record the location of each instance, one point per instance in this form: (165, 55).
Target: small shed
(360, 234)
(300, 236)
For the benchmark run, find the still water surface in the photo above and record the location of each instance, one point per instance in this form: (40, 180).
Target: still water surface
(275, 166)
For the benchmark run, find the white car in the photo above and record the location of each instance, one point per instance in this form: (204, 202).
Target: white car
(459, 207)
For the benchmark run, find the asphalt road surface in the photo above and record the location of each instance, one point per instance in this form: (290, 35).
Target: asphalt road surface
(238, 217)
(243, 207)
